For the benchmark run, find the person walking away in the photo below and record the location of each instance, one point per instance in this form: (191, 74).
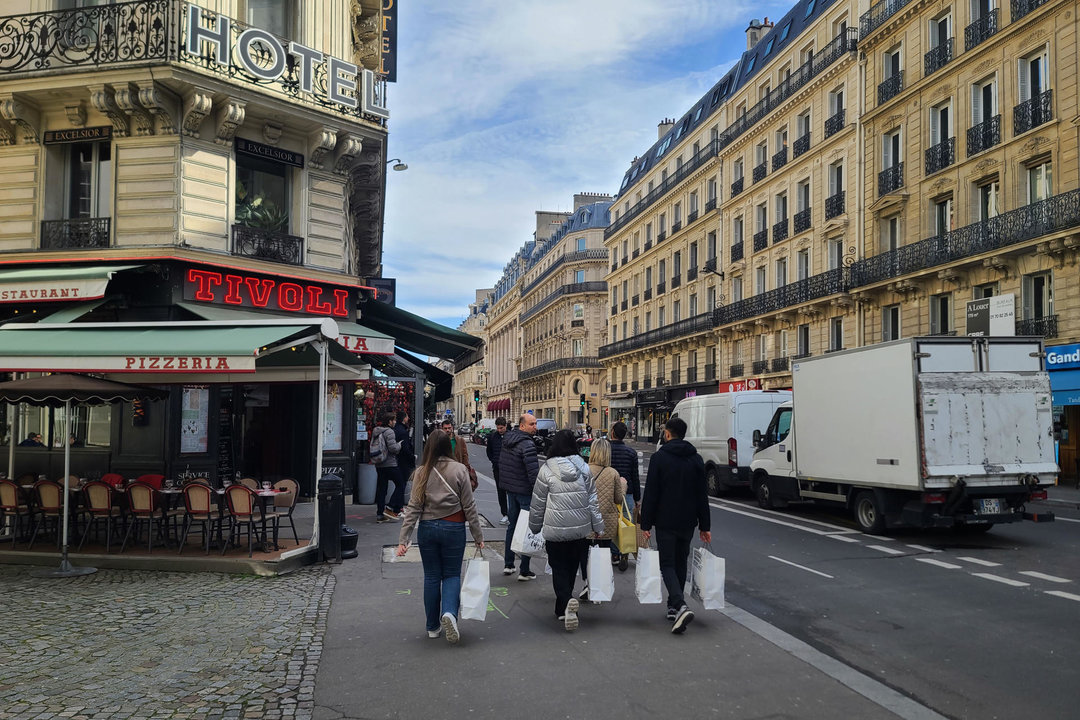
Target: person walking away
(676, 500)
(406, 457)
(460, 451)
(565, 507)
(625, 460)
(440, 504)
(518, 467)
(494, 448)
(386, 470)
(609, 494)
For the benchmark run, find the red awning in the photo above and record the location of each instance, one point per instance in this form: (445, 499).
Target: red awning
(489, 407)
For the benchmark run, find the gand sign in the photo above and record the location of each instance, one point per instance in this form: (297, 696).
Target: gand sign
(1062, 357)
(236, 289)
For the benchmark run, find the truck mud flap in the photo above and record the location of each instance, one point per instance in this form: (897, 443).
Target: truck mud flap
(1039, 517)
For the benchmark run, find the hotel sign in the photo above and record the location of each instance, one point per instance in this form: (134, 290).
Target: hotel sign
(241, 290)
(71, 135)
(268, 152)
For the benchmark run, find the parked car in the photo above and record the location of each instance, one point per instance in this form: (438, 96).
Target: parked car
(545, 430)
(466, 428)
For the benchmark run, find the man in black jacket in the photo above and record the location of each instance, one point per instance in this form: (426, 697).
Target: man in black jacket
(494, 449)
(676, 500)
(518, 468)
(624, 460)
(406, 458)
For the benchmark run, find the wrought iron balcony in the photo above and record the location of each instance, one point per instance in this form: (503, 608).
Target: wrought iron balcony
(878, 14)
(940, 156)
(648, 293)
(891, 179)
(802, 220)
(737, 186)
(984, 136)
(267, 245)
(614, 387)
(736, 251)
(692, 216)
(835, 123)
(780, 231)
(1061, 212)
(981, 29)
(676, 226)
(1046, 326)
(684, 328)
(801, 145)
(691, 374)
(710, 204)
(779, 160)
(623, 305)
(661, 236)
(75, 234)
(830, 282)
(938, 58)
(633, 384)
(571, 289)
(691, 274)
(623, 387)
(761, 240)
(676, 377)
(834, 205)
(635, 300)
(568, 363)
(759, 367)
(1034, 112)
(625, 259)
(890, 87)
(648, 245)
(736, 370)
(661, 288)
(635, 253)
(1020, 8)
(780, 364)
(614, 265)
(614, 309)
(646, 383)
(710, 371)
(760, 171)
(676, 281)
(570, 257)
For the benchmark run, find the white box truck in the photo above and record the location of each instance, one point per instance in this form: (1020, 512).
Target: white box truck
(924, 432)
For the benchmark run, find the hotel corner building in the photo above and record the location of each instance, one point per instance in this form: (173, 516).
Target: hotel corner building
(858, 175)
(178, 161)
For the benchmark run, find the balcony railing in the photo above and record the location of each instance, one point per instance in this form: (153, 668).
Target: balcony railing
(571, 289)
(623, 387)
(75, 234)
(801, 145)
(676, 226)
(1020, 8)
(661, 288)
(635, 300)
(779, 159)
(571, 257)
(635, 253)
(737, 186)
(835, 123)
(648, 245)
(759, 367)
(661, 236)
(674, 331)
(981, 29)
(877, 15)
(780, 364)
(691, 216)
(802, 220)
(676, 281)
(1061, 212)
(938, 58)
(736, 251)
(1046, 326)
(830, 282)
(646, 383)
(614, 265)
(615, 309)
(736, 370)
(801, 355)
(267, 245)
(625, 259)
(676, 377)
(691, 274)
(710, 204)
(623, 305)
(691, 375)
(760, 171)
(761, 240)
(891, 179)
(890, 87)
(633, 384)
(1034, 112)
(940, 156)
(648, 294)
(834, 205)
(614, 387)
(780, 231)
(568, 363)
(710, 371)
(984, 136)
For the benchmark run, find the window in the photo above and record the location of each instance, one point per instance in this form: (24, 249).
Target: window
(781, 138)
(710, 297)
(890, 233)
(750, 65)
(840, 27)
(637, 326)
(802, 124)
(940, 123)
(836, 253)
(580, 244)
(761, 217)
(648, 233)
(648, 327)
(676, 214)
(676, 264)
(693, 203)
(662, 227)
(625, 290)
(780, 343)
(891, 63)
(89, 179)
(986, 290)
(940, 30)
(1037, 296)
(1034, 75)
(693, 260)
(836, 178)
(693, 305)
(802, 195)
(769, 45)
(890, 322)
(940, 314)
(579, 311)
(710, 191)
(1039, 182)
(648, 278)
(802, 264)
(676, 311)
(781, 272)
(262, 193)
(737, 230)
(737, 169)
(270, 15)
(637, 241)
(989, 200)
(761, 153)
(660, 367)
(984, 105)
(943, 215)
(836, 101)
(784, 32)
(836, 333)
(890, 146)
(802, 340)
(759, 280)
(625, 249)
(710, 245)
(578, 347)
(660, 317)
(810, 8)
(761, 347)
(736, 289)
(579, 276)
(662, 273)
(781, 207)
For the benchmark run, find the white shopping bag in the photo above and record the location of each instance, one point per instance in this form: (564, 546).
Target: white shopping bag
(524, 541)
(601, 579)
(647, 579)
(475, 589)
(707, 579)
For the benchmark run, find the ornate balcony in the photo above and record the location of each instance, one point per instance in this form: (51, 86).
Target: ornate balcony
(984, 136)
(759, 367)
(625, 259)
(981, 29)
(661, 288)
(676, 377)
(571, 289)
(878, 14)
(673, 331)
(780, 231)
(75, 234)
(760, 171)
(737, 186)
(761, 240)
(648, 294)
(710, 371)
(780, 364)
(938, 58)
(568, 363)
(623, 306)
(891, 179)
(635, 253)
(1020, 8)
(570, 257)
(635, 300)
(736, 370)
(661, 236)
(834, 205)
(779, 160)
(710, 204)
(835, 123)
(691, 375)
(676, 281)
(267, 245)
(940, 156)
(1046, 326)
(691, 274)
(736, 251)
(890, 88)
(800, 146)
(1034, 112)
(676, 226)
(691, 216)
(802, 221)
(830, 282)
(648, 245)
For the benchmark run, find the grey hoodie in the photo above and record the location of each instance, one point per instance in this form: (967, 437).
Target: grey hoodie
(564, 501)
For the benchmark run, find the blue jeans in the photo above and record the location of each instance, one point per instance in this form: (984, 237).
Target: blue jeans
(442, 548)
(515, 503)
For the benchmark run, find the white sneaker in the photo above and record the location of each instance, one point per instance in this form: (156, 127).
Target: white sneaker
(434, 633)
(683, 618)
(449, 624)
(504, 521)
(570, 620)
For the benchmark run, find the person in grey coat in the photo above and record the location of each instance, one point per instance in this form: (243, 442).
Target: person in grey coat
(564, 506)
(387, 471)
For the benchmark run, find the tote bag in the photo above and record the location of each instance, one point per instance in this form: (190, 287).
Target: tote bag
(707, 581)
(601, 579)
(647, 579)
(525, 542)
(475, 589)
(627, 534)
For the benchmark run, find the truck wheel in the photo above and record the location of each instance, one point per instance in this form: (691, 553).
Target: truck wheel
(712, 481)
(763, 492)
(868, 513)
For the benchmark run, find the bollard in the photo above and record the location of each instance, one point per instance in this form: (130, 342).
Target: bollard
(331, 511)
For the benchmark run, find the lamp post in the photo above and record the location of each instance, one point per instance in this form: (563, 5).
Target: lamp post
(398, 165)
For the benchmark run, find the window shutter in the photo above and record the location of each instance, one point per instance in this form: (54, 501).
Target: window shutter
(935, 126)
(887, 159)
(1023, 67)
(976, 105)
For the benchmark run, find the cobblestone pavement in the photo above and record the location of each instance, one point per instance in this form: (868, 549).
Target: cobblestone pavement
(136, 644)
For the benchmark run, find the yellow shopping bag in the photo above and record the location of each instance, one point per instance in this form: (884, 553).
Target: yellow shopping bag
(627, 536)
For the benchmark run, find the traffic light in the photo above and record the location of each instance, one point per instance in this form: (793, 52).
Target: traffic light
(582, 399)
(476, 396)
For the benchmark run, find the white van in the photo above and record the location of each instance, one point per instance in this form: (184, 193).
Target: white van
(721, 426)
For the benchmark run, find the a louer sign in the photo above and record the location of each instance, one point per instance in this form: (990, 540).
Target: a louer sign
(341, 76)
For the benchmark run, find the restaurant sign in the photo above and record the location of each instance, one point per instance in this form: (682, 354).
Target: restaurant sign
(53, 290)
(240, 290)
(134, 363)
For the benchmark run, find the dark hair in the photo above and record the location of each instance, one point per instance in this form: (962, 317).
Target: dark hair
(677, 427)
(446, 421)
(500, 420)
(401, 415)
(618, 430)
(563, 444)
(389, 417)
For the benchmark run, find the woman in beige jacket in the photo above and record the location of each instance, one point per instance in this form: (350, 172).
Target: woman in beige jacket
(439, 506)
(610, 490)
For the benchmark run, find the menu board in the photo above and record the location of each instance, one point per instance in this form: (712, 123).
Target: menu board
(332, 419)
(224, 434)
(195, 419)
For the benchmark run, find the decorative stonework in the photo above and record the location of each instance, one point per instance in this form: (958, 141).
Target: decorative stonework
(893, 120)
(320, 143)
(271, 132)
(986, 165)
(25, 117)
(942, 90)
(985, 65)
(102, 98)
(161, 104)
(366, 38)
(348, 147)
(128, 100)
(7, 134)
(76, 114)
(228, 120)
(1034, 144)
(197, 106)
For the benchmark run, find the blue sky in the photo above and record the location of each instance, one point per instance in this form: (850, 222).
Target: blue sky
(505, 107)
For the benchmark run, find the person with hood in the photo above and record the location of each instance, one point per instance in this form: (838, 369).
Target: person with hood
(386, 470)
(518, 468)
(565, 508)
(676, 500)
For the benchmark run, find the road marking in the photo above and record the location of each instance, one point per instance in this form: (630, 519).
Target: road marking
(1060, 594)
(1043, 576)
(923, 548)
(770, 520)
(842, 538)
(838, 528)
(977, 561)
(1002, 580)
(1058, 517)
(801, 567)
(939, 563)
(882, 548)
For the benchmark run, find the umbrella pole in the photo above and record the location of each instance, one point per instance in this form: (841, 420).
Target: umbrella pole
(13, 413)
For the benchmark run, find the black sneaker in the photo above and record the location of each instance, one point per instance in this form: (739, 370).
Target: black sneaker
(671, 614)
(584, 594)
(624, 562)
(684, 617)
(526, 577)
(508, 570)
(381, 519)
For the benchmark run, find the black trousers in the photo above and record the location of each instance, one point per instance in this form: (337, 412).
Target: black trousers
(501, 493)
(674, 548)
(383, 477)
(565, 558)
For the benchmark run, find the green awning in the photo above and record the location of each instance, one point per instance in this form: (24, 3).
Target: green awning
(417, 334)
(57, 284)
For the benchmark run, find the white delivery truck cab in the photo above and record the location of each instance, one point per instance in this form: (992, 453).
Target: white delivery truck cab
(721, 427)
(922, 432)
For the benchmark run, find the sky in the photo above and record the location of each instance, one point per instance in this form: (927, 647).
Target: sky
(505, 107)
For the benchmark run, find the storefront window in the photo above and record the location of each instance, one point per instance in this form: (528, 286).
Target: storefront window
(262, 194)
(332, 419)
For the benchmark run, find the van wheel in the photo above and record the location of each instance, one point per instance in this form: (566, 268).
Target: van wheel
(712, 481)
(868, 513)
(764, 494)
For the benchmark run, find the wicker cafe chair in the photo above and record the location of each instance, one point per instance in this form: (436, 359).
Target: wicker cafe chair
(143, 508)
(98, 502)
(285, 503)
(50, 508)
(11, 507)
(250, 483)
(242, 503)
(200, 507)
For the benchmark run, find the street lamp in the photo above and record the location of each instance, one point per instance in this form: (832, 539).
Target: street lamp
(398, 165)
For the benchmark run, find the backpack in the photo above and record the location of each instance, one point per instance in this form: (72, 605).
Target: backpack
(378, 448)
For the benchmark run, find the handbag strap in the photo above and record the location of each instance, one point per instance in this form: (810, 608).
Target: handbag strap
(446, 484)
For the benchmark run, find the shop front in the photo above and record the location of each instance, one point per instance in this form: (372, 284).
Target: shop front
(1063, 365)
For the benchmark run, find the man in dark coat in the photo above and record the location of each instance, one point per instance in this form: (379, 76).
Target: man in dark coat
(676, 501)
(406, 458)
(494, 449)
(624, 460)
(518, 468)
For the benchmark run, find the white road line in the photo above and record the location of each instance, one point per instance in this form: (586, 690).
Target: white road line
(1060, 594)
(938, 563)
(923, 548)
(801, 567)
(1043, 576)
(977, 561)
(725, 508)
(882, 548)
(838, 528)
(1002, 580)
(1058, 517)
(842, 538)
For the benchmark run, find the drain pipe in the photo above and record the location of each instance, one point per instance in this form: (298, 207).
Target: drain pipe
(860, 201)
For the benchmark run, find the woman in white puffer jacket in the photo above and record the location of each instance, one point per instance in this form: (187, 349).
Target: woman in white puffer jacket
(565, 507)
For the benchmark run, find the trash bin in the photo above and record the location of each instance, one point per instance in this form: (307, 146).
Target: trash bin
(366, 482)
(331, 511)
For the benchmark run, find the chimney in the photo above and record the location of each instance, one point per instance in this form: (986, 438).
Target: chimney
(756, 31)
(665, 125)
(588, 198)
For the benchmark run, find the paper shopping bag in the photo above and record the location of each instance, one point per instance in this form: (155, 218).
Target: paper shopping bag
(601, 578)
(707, 580)
(647, 580)
(524, 541)
(475, 589)
(627, 537)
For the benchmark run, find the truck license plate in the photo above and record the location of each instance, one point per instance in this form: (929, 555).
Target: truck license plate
(988, 506)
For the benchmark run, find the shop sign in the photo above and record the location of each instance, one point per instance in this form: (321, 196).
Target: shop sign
(991, 316)
(268, 152)
(44, 291)
(368, 345)
(70, 135)
(1061, 357)
(134, 364)
(236, 289)
(739, 385)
